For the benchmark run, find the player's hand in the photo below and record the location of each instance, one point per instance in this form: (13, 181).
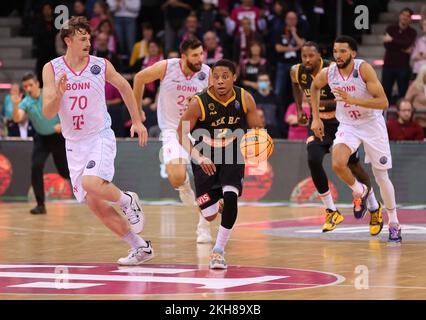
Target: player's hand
(342, 95)
(16, 97)
(318, 128)
(302, 118)
(57, 128)
(61, 85)
(207, 165)
(141, 131)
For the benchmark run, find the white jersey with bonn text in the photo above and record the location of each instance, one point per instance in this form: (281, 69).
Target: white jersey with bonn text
(176, 89)
(83, 111)
(355, 86)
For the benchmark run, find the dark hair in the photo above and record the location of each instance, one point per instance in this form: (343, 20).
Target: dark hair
(406, 9)
(263, 73)
(147, 25)
(401, 101)
(190, 43)
(257, 43)
(225, 63)
(312, 44)
(349, 40)
(29, 76)
(76, 23)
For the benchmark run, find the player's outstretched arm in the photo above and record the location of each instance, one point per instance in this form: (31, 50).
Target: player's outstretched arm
(253, 119)
(52, 91)
(117, 80)
(374, 87)
(147, 75)
(319, 82)
(186, 124)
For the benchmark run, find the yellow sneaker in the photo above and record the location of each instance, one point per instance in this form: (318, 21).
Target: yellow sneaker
(332, 219)
(376, 221)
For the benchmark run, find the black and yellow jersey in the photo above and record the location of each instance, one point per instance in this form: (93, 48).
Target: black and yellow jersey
(223, 121)
(304, 78)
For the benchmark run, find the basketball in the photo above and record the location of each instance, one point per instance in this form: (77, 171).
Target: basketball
(256, 144)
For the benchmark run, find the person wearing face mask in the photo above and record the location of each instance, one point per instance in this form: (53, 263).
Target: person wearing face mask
(268, 102)
(251, 67)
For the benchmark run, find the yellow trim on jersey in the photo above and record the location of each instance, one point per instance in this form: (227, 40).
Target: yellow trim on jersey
(243, 100)
(203, 112)
(225, 104)
(297, 72)
(320, 68)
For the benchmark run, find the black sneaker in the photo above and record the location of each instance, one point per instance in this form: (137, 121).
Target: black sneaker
(360, 204)
(38, 210)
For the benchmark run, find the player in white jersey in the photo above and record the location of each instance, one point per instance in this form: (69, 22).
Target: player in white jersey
(180, 80)
(74, 88)
(360, 103)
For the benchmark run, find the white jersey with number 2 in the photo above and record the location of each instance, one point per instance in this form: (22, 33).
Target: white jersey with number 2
(355, 86)
(83, 111)
(176, 89)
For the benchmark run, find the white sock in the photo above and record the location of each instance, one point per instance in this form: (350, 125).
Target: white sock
(134, 240)
(393, 218)
(387, 192)
(358, 187)
(372, 204)
(327, 199)
(222, 238)
(124, 200)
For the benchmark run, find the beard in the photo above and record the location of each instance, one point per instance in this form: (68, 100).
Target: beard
(194, 67)
(344, 64)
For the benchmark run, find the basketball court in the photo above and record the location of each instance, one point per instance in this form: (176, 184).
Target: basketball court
(274, 253)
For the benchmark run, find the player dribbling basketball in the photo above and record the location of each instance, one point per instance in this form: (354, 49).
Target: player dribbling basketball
(213, 118)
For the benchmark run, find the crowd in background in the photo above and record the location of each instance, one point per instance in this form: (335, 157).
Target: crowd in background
(262, 37)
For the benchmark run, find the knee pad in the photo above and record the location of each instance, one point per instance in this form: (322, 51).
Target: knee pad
(230, 210)
(210, 212)
(315, 155)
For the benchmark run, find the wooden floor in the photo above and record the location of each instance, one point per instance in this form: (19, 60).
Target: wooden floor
(69, 235)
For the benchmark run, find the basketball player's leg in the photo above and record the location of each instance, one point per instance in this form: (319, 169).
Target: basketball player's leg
(362, 176)
(346, 143)
(230, 177)
(316, 153)
(176, 160)
(179, 179)
(98, 172)
(377, 150)
(141, 250)
(208, 201)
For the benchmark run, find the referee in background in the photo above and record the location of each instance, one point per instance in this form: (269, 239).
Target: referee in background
(47, 138)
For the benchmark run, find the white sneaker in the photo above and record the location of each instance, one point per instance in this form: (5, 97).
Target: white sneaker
(134, 213)
(187, 196)
(203, 233)
(137, 256)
